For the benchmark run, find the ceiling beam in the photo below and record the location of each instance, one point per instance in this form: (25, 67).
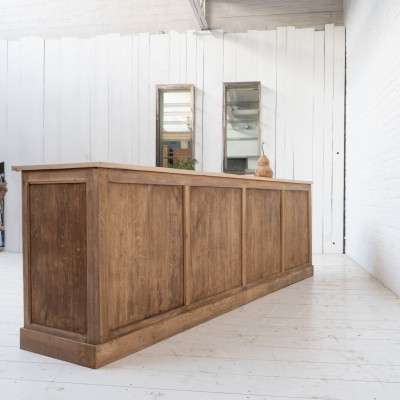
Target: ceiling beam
(199, 9)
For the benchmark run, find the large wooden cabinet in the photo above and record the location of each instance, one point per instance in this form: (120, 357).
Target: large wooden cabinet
(118, 257)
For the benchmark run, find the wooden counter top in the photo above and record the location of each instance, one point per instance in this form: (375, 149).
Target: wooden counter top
(45, 167)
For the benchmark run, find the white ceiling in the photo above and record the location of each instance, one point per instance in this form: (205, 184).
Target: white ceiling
(55, 18)
(242, 15)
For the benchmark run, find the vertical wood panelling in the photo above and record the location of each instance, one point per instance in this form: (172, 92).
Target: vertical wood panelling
(144, 133)
(31, 106)
(145, 264)
(3, 99)
(212, 102)
(13, 147)
(182, 57)
(328, 140)
(115, 84)
(338, 139)
(252, 60)
(191, 77)
(198, 152)
(242, 55)
(75, 100)
(295, 228)
(126, 101)
(135, 100)
(58, 254)
(99, 99)
(98, 102)
(68, 98)
(158, 74)
(318, 140)
(229, 57)
(303, 96)
(187, 259)
(220, 237)
(174, 62)
(266, 74)
(191, 58)
(52, 102)
(263, 224)
(290, 102)
(280, 103)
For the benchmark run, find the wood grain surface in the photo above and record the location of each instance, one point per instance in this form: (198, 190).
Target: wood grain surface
(145, 251)
(296, 228)
(57, 217)
(118, 259)
(263, 233)
(215, 235)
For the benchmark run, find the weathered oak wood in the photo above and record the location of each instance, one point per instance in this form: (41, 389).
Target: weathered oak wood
(58, 255)
(215, 235)
(117, 257)
(263, 232)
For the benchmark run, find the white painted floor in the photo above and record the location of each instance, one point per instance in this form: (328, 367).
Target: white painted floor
(333, 336)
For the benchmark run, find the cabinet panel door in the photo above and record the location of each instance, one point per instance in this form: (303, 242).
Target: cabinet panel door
(145, 251)
(215, 237)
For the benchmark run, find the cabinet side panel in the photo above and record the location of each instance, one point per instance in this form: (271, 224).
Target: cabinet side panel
(216, 240)
(57, 214)
(263, 230)
(145, 251)
(296, 228)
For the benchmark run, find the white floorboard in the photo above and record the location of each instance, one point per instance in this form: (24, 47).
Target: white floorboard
(333, 336)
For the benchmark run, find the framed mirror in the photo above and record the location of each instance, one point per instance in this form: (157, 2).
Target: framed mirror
(241, 126)
(175, 126)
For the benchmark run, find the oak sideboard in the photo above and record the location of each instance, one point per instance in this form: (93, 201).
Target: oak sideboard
(119, 257)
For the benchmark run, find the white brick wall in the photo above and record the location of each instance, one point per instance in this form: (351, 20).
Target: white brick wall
(373, 137)
(84, 18)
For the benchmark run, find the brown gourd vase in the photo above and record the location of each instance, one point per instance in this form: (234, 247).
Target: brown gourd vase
(264, 170)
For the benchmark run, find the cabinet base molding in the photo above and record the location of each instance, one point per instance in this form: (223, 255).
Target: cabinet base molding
(95, 356)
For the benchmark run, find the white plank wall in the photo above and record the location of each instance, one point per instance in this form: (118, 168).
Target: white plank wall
(159, 50)
(198, 153)
(135, 100)
(266, 74)
(280, 114)
(99, 81)
(31, 101)
(3, 98)
(13, 147)
(212, 102)
(318, 139)
(338, 140)
(72, 99)
(125, 140)
(115, 84)
(289, 94)
(145, 153)
(52, 102)
(303, 99)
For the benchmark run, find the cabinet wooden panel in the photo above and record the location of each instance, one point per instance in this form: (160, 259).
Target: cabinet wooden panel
(296, 228)
(57, 221)
(145, 257)
(263, 233)
(215, 237)
(118, 257)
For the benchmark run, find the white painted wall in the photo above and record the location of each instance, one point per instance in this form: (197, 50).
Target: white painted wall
(69, 100)
(373, 138)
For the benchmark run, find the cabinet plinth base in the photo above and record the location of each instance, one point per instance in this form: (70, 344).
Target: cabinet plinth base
(95, 356)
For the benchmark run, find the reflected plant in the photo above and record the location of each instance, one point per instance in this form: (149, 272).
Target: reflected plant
(184, 164)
